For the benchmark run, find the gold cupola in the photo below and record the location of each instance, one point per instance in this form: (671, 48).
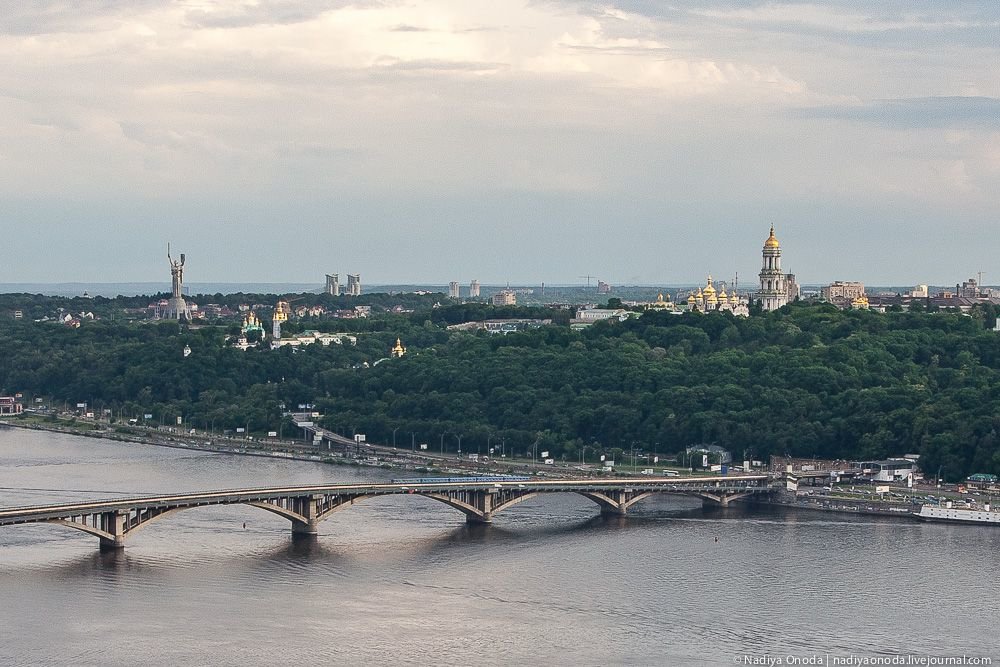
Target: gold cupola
(709, 292)
(709, 288)
(772, 241)
(398, 350)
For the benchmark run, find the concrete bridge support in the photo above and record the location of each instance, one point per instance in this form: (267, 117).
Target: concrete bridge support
(720, 499)
(618, 505)
(113, 523)
(483, 502)
(308, 508)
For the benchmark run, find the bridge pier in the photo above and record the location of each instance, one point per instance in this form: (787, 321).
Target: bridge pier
(483, 501)
(620, 506)
(308, 508)
(113, 523)
(720, 500)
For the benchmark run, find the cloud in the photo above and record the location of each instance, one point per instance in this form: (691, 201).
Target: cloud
(440, 65)
(890, 22)
(581, 122)
(268, 12)
(919, 112)
(39, 17)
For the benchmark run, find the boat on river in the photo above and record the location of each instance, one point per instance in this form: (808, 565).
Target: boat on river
(949, 514)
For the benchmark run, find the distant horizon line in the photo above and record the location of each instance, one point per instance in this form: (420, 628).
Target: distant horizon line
(161, 286)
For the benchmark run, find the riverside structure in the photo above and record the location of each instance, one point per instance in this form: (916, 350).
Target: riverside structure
(306, 506)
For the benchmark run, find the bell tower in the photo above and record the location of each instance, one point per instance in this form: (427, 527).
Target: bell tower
(773, 293)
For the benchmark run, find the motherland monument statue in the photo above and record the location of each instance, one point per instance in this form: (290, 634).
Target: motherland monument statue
(177, 308)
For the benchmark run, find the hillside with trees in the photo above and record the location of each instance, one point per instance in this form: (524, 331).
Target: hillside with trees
(808, 380)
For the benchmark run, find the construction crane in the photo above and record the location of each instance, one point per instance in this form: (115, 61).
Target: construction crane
(588, 279)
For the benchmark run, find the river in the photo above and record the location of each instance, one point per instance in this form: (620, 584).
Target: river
(403, 580)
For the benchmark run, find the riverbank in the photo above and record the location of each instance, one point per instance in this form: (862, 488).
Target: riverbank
(277, 449)
(383, 457)
(366, 455)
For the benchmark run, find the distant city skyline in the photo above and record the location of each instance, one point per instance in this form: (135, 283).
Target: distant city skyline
(110, 290)
(637, 142)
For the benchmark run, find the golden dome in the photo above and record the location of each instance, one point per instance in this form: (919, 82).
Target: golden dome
(691, 299)
(722, 295)
(399, 350)
(772, 241)
(281, 310)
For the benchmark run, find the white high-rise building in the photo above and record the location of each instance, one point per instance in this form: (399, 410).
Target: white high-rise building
(333, 284)
(474, 289)
(353, 284)
(453, 289)
(773, 293)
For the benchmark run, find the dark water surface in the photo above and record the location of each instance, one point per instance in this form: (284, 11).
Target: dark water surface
(403, 580)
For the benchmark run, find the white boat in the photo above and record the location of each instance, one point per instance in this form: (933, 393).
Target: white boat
(957, 515)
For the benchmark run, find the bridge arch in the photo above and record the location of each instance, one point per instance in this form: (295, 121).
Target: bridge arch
(454, 503)
(602, 500)
(275, 509)
(139, 520)
(610, 504)
(267, 507)
(90, 530)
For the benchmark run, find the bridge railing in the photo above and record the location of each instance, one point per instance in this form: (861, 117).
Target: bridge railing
(449, 484)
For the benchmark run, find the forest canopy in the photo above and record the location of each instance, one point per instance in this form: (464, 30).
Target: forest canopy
(807, 380)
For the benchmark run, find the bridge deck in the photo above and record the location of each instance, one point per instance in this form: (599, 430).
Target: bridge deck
(743, 483)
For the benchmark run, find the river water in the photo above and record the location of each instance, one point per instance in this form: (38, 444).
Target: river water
(403, 580)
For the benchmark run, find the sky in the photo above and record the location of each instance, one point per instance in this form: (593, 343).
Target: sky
(638, 141)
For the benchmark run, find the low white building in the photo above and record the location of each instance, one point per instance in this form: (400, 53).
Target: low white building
(310, 337)
(891, 470)
(598, 314)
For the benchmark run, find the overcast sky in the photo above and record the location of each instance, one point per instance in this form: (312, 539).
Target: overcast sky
(639, 141)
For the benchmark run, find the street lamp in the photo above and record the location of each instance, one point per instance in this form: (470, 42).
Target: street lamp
(459, 438)
(394, 437)
(413, 441)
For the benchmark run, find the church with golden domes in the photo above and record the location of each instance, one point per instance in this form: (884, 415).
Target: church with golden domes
(662, 302)
(252, 323)
(708, 299)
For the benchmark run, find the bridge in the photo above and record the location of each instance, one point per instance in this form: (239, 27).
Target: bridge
(305, 506)
(304, 421)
